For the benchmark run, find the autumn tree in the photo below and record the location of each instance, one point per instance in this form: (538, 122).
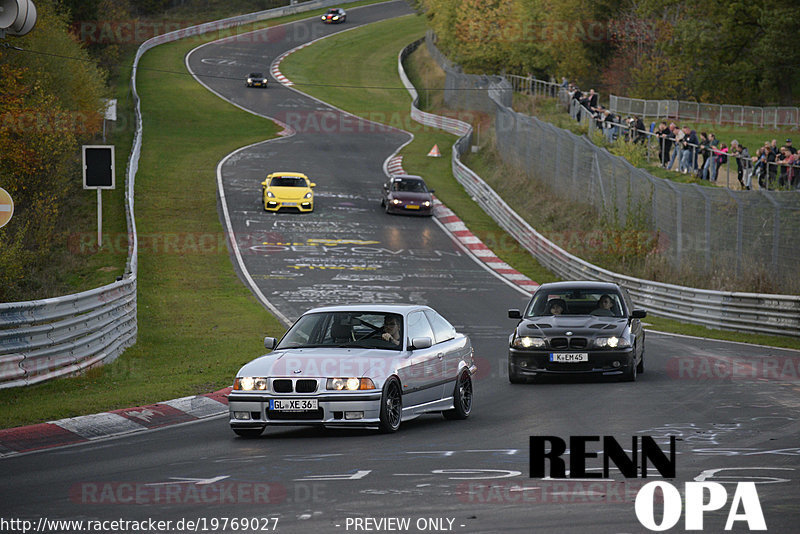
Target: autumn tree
(50, 103)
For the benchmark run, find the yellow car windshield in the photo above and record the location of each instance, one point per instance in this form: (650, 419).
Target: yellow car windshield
(288, 181)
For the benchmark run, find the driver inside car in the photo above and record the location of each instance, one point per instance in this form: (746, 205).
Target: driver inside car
(391, 330)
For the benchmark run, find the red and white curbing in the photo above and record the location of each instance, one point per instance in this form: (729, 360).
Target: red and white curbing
(453, 224)
(276, 66)
(115, 423)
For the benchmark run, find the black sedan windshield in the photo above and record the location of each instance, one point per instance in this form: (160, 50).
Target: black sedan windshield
(576, 302)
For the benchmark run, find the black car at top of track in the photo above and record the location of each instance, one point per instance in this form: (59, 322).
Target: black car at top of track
(335, 15)
(256, 79)
(579, 327)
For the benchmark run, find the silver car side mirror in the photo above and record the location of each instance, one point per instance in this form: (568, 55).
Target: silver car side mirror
(270, 342)
(421, 343)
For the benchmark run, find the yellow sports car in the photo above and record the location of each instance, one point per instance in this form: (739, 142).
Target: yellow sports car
(290, 190)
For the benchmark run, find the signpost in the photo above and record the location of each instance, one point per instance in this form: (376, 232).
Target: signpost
(98, 173)
(6, 207)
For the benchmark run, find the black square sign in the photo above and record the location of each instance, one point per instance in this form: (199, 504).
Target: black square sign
(98, 166)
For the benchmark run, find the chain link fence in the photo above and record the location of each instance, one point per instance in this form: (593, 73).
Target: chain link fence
(769, 117)
(749, 312)
(700, 228)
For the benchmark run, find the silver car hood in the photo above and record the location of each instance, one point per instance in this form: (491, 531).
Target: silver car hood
(325, 362)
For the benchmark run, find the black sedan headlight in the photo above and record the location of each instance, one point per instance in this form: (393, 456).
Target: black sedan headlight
(528, 342)
(612, 342)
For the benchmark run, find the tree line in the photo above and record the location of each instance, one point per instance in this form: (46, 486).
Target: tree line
(729, 52)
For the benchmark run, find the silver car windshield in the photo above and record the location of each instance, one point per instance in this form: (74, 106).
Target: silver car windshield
(364, 329)
(576, 302)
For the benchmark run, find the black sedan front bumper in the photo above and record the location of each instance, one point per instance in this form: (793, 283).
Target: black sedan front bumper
(532, 363)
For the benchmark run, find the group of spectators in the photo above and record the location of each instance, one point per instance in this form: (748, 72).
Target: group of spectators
(771, 165)
(683, 150)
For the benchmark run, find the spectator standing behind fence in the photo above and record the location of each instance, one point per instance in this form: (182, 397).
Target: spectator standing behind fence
(772, 168)
(760, 166)
(793, 169)
(710, 165)
(744, 164)
(720, 159)
(788, 145)
(689, 156)
(703, 152)
(677, 141)
(664, 143)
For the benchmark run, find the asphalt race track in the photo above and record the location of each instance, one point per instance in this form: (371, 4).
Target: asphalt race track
(734, 409)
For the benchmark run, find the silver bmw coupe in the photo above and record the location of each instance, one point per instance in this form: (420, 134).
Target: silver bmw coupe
(368, 366)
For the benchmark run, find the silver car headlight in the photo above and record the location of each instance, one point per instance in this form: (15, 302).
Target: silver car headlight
(336, 17)
(350, 384)
(396, 201)
(249, 383)
(427, 203)
(612, 342)
(309, 195)
(528, 342)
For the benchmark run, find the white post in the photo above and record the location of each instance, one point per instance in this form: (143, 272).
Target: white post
(99, 218)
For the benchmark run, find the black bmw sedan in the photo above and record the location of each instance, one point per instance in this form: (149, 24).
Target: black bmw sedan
(577, 328)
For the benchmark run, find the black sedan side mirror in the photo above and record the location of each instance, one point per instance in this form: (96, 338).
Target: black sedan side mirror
(270, 342)
(638, 314)
(514, 314)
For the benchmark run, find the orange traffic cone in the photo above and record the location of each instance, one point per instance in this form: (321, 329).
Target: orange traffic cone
(434, 153)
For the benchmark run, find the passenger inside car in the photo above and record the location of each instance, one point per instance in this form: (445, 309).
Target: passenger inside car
(604, 306)
(556, 306)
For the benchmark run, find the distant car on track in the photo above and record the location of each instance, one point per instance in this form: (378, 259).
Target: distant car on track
(571, 328)
(288, 190)
(335, 15)
(407, 194)
(371, 366)
(256, 79)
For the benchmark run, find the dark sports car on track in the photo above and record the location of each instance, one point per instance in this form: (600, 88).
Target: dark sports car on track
(371, 366)
(571, 328)
(407, 194)
(334, 16)
(256, 79)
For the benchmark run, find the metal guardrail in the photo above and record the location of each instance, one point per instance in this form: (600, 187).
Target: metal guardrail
(713, 113)
(62, 336)
(748, 312)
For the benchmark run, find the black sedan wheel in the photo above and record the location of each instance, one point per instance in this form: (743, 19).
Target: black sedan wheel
(462, 397)
(248, 432)
(391, 407)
